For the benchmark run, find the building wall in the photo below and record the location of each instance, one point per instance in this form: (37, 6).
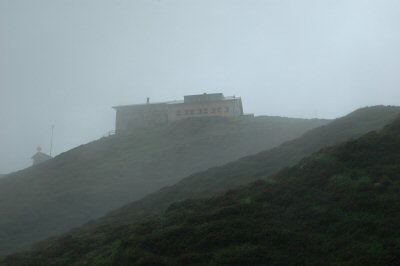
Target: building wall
(138, 116)
(226, 108)
(40, 157)
(130, 117)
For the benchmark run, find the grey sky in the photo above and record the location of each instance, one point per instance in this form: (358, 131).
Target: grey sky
(67, 62)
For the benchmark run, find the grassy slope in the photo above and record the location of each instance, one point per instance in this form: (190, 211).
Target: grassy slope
(86, 182)
(338, 207)
(216, 180)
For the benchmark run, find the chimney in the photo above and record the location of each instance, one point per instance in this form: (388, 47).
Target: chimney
(148, 100)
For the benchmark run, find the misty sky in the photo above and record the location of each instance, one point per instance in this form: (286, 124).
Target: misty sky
(67, 62)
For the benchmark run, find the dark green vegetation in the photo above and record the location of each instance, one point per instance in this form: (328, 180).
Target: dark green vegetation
(88, 181)
(217, 180)
(338, 207)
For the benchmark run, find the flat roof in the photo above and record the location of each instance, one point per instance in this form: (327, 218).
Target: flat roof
(170, 102)
(138, 104)
(228, 98)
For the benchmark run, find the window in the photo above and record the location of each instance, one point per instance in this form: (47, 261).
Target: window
(226, 109)
(186, 112)
(192, 112)
(205, 110)
(178, 113)
(219, 110)
(213, 110)
(200, 111)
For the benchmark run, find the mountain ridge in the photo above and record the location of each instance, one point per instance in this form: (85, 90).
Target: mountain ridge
(89, 180)
(336, 207)
(242, 171)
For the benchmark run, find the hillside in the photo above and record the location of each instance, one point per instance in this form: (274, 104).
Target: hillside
(338, 207)
(90, 180)
(217, 180)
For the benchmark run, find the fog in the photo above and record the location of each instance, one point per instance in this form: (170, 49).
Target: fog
(68, 62)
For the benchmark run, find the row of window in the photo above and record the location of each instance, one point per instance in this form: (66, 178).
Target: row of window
(201, 111)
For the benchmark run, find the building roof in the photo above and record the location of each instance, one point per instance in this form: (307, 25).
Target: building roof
(139, 104)
(224, 98)
(205, 97)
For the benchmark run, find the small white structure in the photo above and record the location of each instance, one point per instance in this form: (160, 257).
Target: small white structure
(40, 157)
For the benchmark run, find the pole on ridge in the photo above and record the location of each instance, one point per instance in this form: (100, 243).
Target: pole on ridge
(51, 140)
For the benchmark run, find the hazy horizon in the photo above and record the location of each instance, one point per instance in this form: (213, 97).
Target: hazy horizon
(68, 62)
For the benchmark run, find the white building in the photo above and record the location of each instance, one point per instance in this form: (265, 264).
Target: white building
(202, 105)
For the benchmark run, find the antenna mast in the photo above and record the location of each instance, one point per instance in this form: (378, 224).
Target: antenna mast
(51, 140)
